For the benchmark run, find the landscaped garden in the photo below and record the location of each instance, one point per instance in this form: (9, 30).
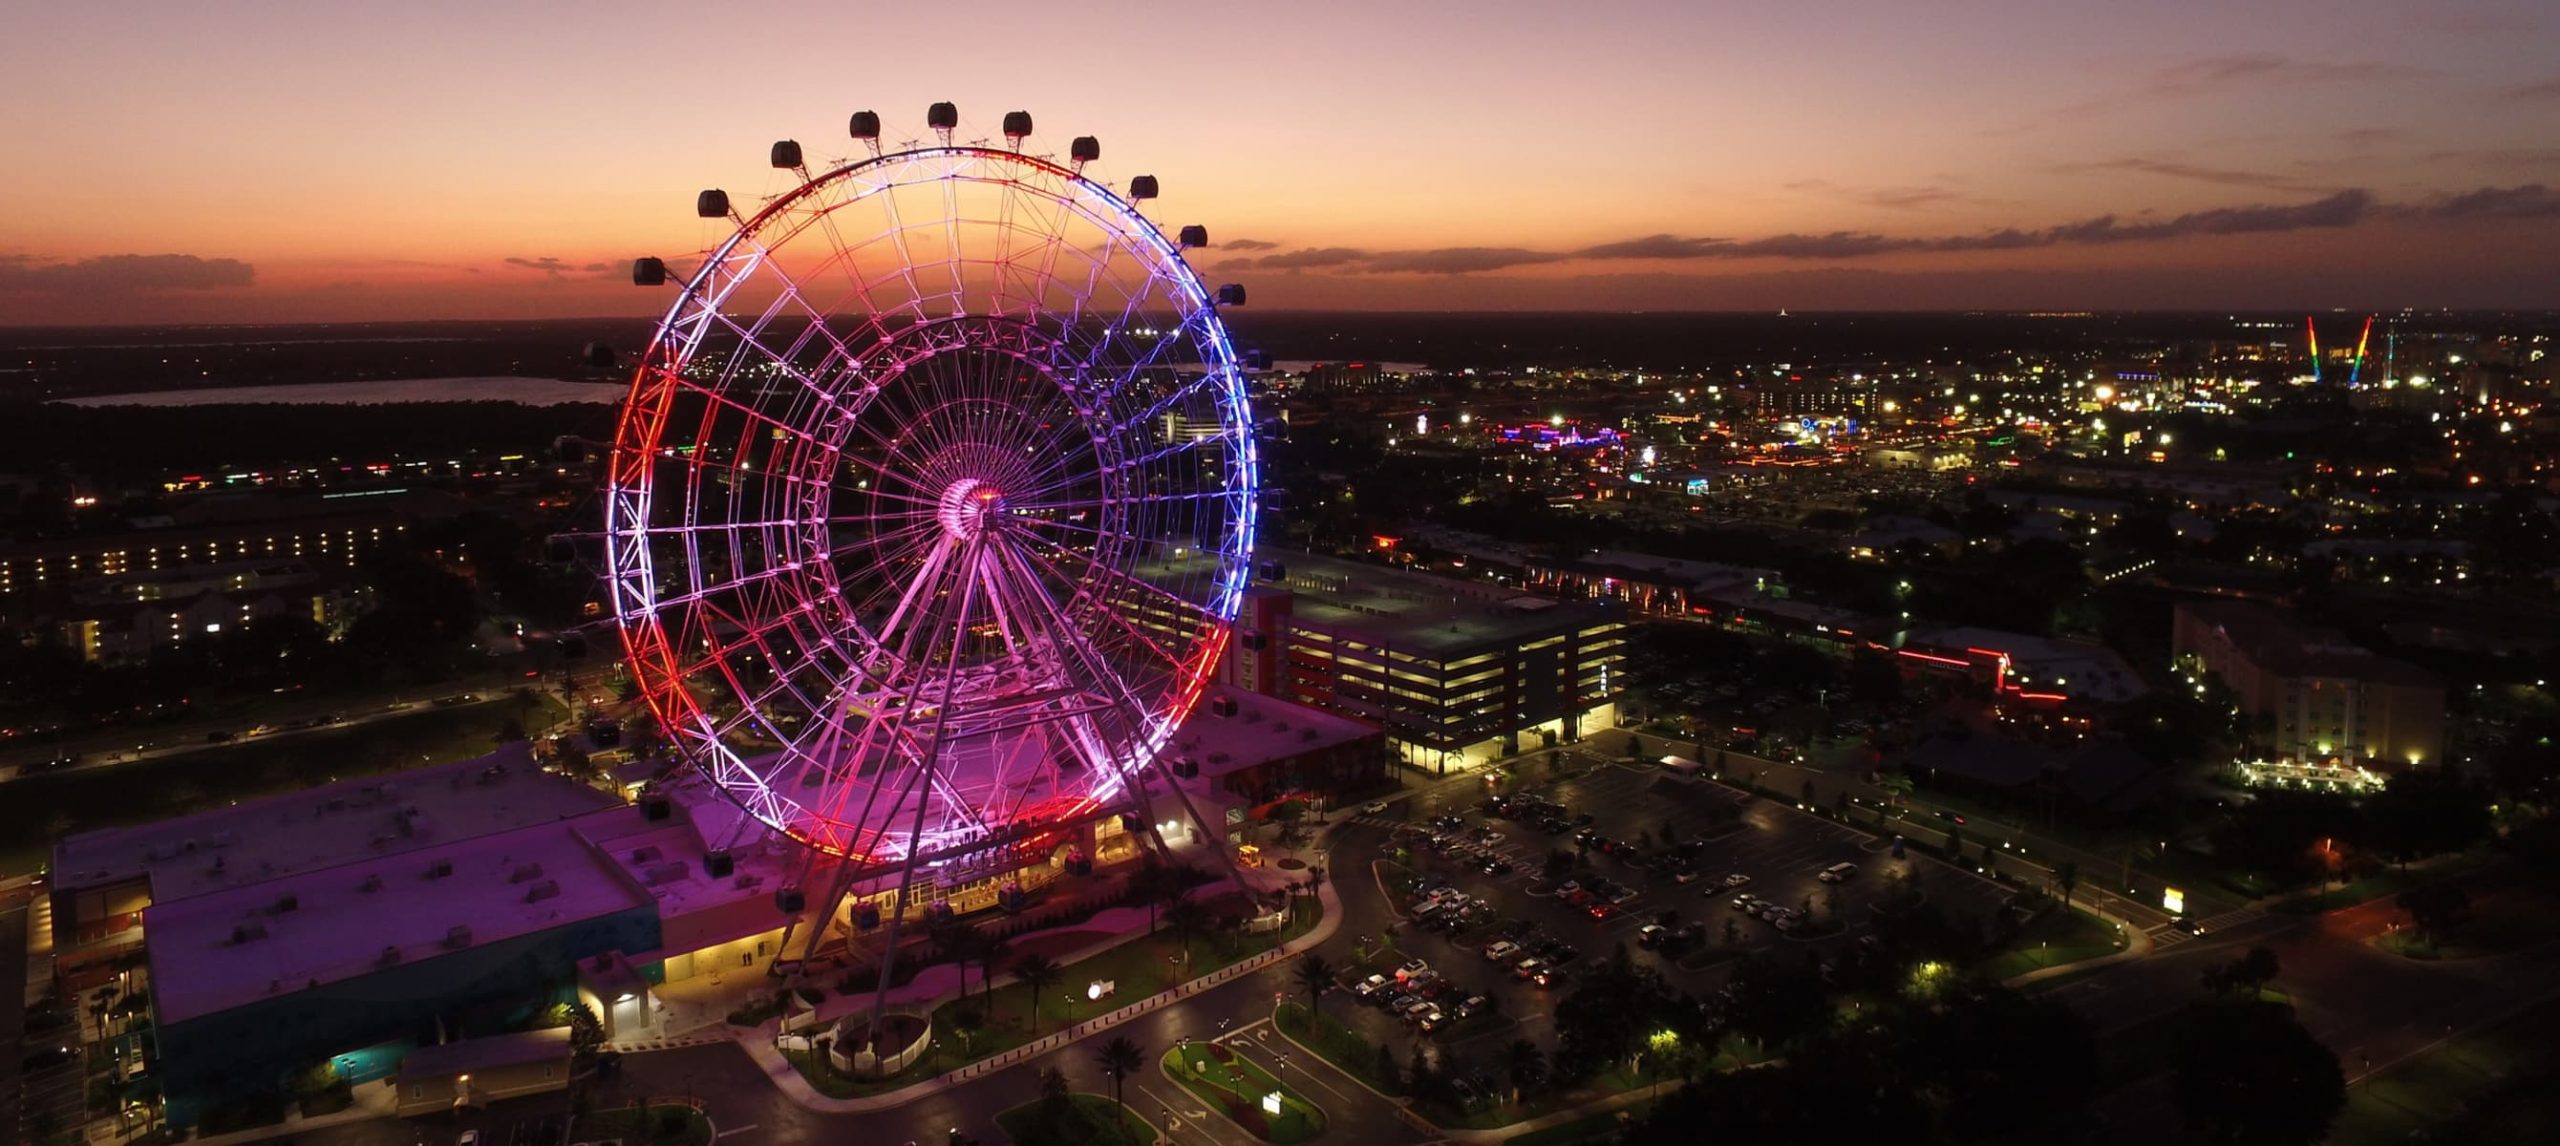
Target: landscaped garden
(669, 1124)
(1075, 1120)
(2053, 939)
(1245, 1092)
(980, 1024)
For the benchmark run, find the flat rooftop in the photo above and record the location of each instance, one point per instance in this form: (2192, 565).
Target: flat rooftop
(1264, 729)
(371, 817)
(216, 951)
(1421, 613)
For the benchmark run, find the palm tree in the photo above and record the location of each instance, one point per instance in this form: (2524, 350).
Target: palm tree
(992, 949)
(1146, 885)
(1315, 974)
(1896, 785)
(1187, 918)
(1119, 1059)
(1525, 1064)
(1037, 972)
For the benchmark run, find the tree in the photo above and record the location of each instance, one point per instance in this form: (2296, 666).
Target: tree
(1315, 974)
(968, 1021)
(1389, 1078)
(1776, 1000)
(2248, 1073)
(992, 949)
(2425, 812)
(1037, 972)
(1524, 1064)
(1119, 1059)
(586, 1032)
(1896, 785)
(2066, 876)
(1187, 918)
(1053, 1088)
(2437, 908)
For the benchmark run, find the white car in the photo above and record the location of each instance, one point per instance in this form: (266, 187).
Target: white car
(1838, 873)
(1737, 879)
(1374, 808)
(1501, 951)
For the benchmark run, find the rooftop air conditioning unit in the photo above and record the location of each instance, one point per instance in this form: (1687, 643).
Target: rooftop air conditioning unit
(439, 869)
(525, 871)
(458, 936)
(542, 890)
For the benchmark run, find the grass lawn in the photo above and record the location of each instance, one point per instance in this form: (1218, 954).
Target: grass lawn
(1139, 968)
(2488, 1086)
(668, 1125)
(1339, 1044)
(2051, 940)
(2149, 1047)
(1085, 1120)
(1585, 1128)
(43, 808)
(1238, 1086)
(2384, 884)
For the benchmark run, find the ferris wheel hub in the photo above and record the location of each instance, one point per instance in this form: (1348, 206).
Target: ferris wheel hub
(971, 508)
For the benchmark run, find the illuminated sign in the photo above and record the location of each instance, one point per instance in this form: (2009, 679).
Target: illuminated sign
(2173, 901)
(1271, 1103)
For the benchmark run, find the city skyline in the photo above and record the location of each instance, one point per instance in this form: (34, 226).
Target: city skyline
(368, 162)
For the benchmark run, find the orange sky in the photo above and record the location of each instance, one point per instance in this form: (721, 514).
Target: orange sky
(384, 160)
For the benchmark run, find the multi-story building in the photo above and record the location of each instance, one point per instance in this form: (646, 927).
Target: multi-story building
(2311, 695)
(1452, 670)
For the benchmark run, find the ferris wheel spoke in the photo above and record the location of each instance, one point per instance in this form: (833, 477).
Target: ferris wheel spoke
(850, 655)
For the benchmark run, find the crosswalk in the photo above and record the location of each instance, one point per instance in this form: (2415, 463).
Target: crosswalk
(2166, 935)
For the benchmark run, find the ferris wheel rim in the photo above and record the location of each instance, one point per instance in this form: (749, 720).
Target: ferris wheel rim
(673, 346)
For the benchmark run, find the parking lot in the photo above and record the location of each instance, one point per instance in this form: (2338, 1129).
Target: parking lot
(1780, 849)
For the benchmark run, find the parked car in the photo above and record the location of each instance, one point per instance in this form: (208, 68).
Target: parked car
(1838, 872)
(1528, 968)
(1737, 879)
(1623, 896)
(1502, 950)
(1374, 807)
(1368, 988)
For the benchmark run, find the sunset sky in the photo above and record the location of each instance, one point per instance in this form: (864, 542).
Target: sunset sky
(268, 161)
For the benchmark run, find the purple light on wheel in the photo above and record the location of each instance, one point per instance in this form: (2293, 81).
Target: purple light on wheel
(932, 503)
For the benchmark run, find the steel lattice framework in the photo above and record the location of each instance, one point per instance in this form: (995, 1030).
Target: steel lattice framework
(932, 503)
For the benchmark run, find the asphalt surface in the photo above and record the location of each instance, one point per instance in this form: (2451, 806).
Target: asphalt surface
(1780, 848)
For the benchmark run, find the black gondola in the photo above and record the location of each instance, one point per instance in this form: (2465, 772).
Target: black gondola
(1143, 187)
(866, 126)
(1232, 294)
(786, 153)
(942, 116)
(1085, 149)
(648, 272)
(1195, 235)
(712, 204)
(1017, 125)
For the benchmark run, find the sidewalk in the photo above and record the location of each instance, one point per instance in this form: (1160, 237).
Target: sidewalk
(379, 1099)
(759, 1046)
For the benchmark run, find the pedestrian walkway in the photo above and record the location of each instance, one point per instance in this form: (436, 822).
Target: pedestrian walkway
(759, 1042)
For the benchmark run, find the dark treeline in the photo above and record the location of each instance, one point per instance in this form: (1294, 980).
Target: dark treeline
(138, 446)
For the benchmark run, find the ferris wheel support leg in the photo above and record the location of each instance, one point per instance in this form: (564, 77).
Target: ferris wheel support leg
(923, 784)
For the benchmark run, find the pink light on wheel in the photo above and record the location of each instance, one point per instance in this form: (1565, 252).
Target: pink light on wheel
(932, 503)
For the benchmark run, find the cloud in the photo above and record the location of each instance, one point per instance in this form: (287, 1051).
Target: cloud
(2261, 69)
(2531, 201)
(2345, 208)
(1248, 245)
(2172, 169)
(1910, 198)
(1654, 247)
(1459, 260)
(1313, 257)
(2546, 89)
(121, 274)
(557, 269)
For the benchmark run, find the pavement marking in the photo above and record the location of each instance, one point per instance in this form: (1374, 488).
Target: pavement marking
(735, 1130)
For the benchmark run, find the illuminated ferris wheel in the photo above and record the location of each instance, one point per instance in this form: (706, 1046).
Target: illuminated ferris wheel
(933, 498)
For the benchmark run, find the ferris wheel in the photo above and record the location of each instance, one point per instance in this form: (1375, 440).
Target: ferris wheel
(933, 498)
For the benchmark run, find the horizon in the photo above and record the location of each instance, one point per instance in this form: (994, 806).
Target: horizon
(483, 160)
